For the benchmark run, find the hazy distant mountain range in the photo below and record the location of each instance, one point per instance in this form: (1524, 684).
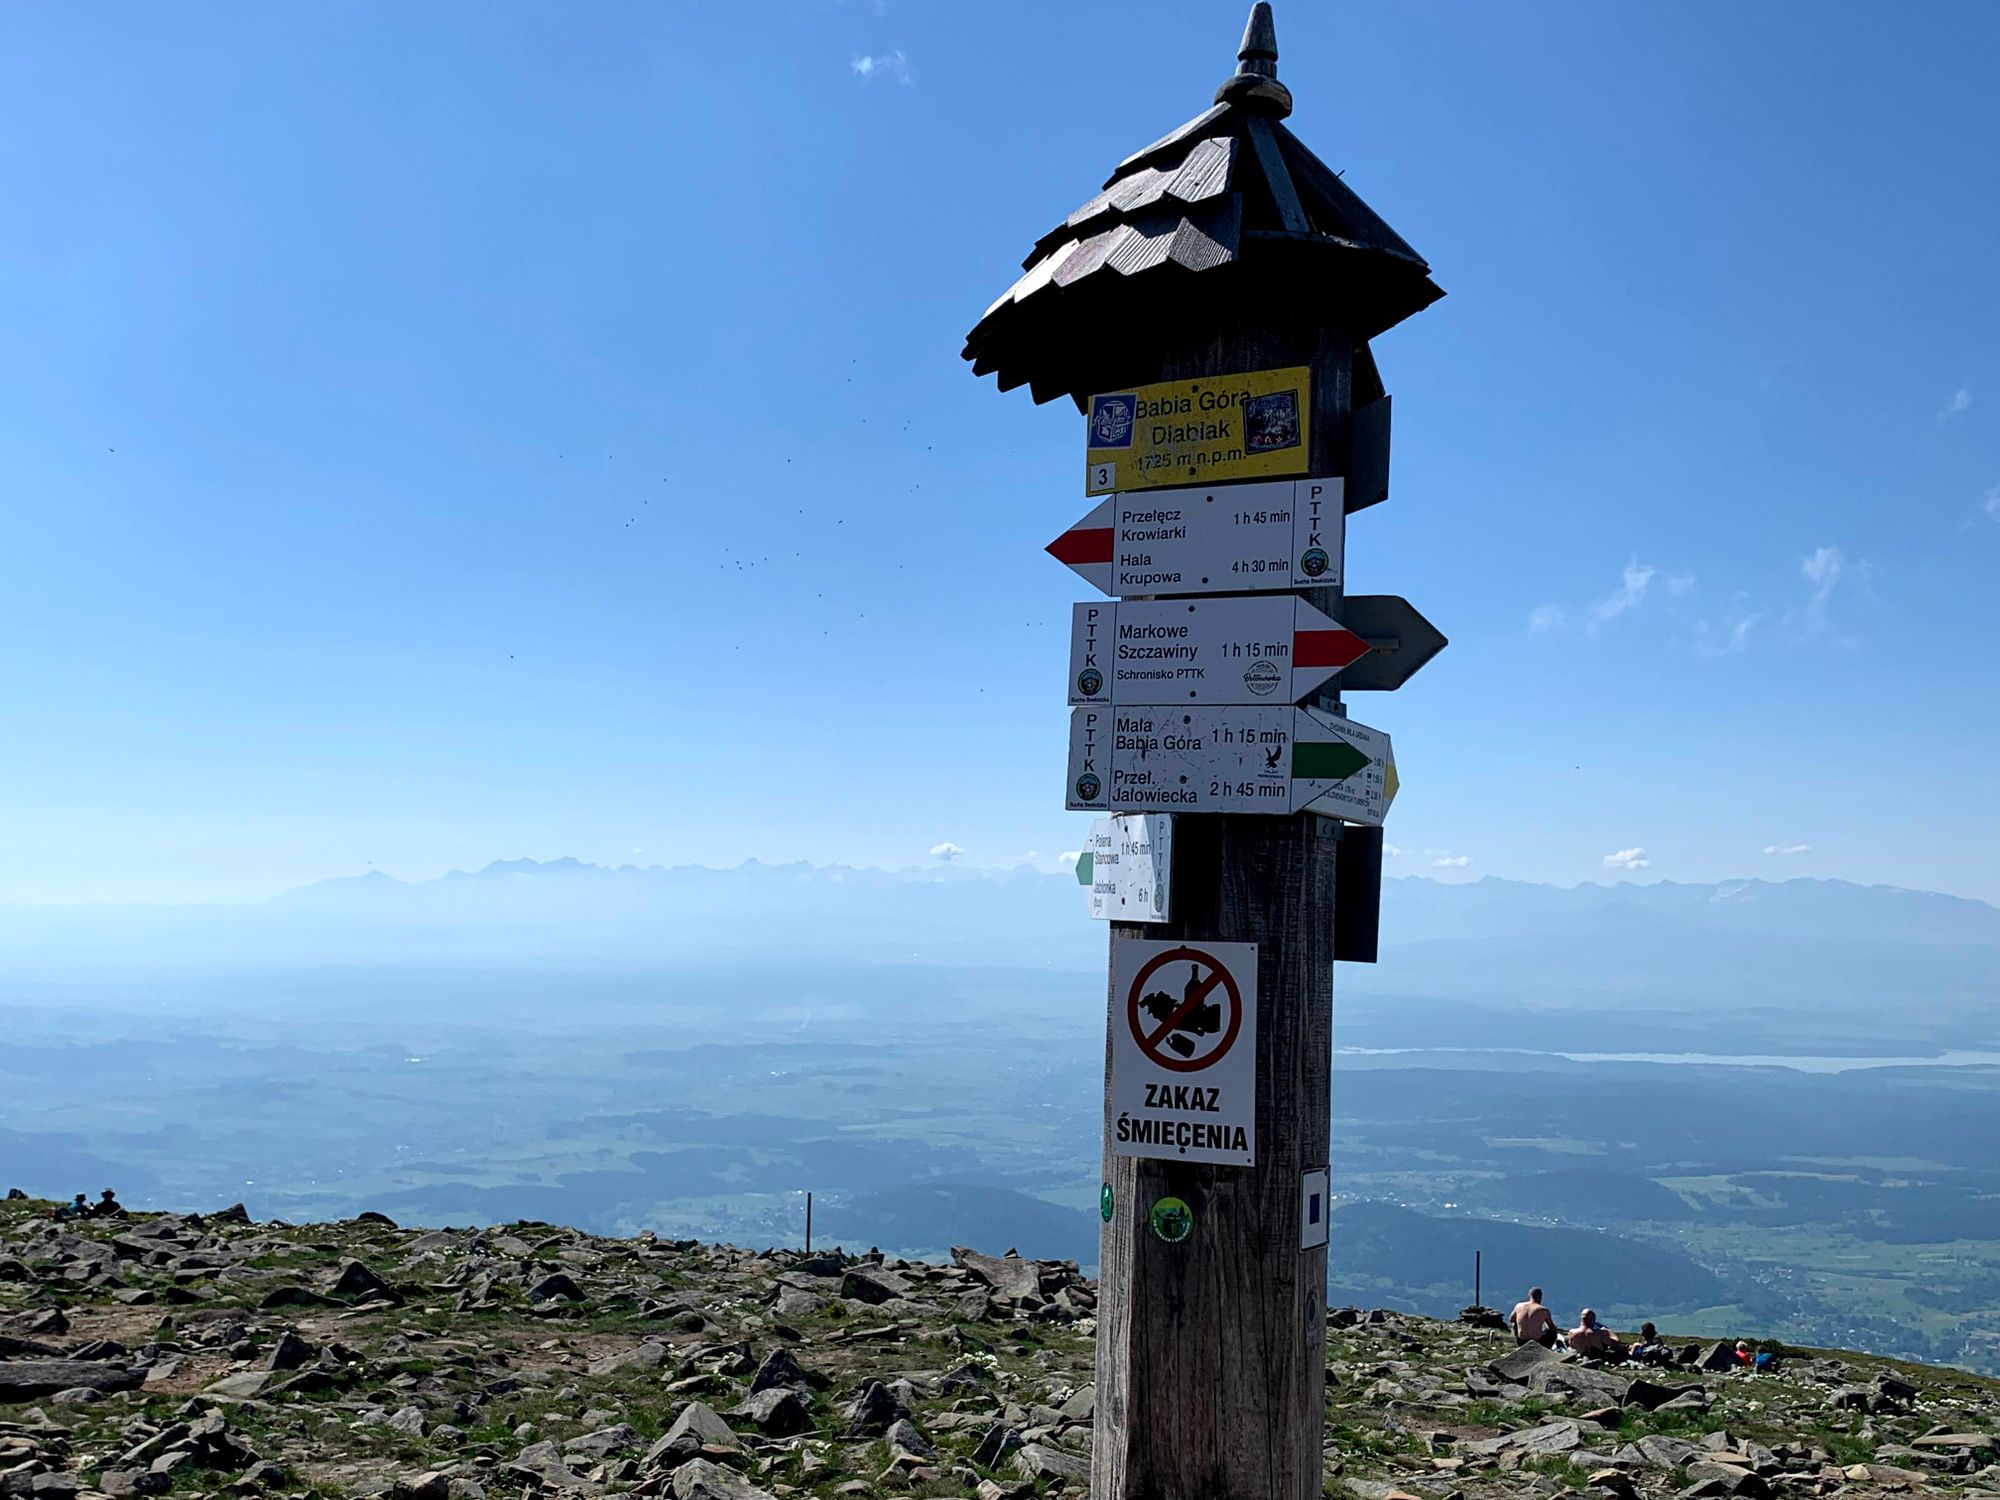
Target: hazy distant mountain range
(1636, 965)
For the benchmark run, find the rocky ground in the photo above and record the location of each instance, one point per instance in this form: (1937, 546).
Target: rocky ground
(211, 1355)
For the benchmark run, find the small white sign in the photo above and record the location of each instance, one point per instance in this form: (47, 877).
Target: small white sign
(1184, 1051)
(1272, 535)
(1314, 1207)
(1269, 648)
(1228, 760)
(1131, 867)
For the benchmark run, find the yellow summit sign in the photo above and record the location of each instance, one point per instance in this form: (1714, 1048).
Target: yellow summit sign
(1181, 432)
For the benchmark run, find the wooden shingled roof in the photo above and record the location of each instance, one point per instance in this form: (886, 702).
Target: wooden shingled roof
(1232, 198)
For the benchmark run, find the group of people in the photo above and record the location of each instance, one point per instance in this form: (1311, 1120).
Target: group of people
(107, 1206)
(1533, 1323)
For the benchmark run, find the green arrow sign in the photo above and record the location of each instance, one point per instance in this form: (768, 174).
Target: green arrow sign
(1326, 760)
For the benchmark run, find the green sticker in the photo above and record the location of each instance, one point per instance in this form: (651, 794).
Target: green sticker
(1104, 1204)
(1173, 1220)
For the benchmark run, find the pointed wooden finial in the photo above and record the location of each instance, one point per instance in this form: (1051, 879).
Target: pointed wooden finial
(1259, 52)
(1255, 81)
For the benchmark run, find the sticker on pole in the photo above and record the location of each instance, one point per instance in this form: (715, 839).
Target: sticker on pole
(1184, 1051)
(1315, 1204)
(1172, 1220)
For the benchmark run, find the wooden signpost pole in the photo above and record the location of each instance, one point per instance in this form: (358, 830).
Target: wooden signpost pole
(1223, 249)
(1210, 1366)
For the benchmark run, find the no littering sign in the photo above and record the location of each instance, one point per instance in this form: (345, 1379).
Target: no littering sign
(1184, 1051)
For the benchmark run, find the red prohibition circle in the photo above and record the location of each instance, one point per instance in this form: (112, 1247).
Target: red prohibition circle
(1228, 982)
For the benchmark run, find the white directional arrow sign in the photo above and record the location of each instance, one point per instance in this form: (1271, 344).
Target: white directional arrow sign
(1272, 535)
(1271, 649)
(1229, 760)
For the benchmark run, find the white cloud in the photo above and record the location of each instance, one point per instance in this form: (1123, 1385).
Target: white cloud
(1961, 400)
(885, 65)
(1393, 851)
(1547, 617)
(1070, 857)
(1992, 502)
(946, 852)
(1451, 861)
(1823, 569)
(1725, 636)
(1788, 848)
(1630, 593)
(1627, 859)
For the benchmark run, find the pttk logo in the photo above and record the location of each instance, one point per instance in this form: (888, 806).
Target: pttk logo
(1111, 421)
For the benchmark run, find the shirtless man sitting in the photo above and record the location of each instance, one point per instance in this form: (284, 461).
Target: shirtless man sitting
(1591, 1337)
(1533, 1323)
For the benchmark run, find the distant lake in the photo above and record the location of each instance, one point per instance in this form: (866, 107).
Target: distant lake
(1800, 1063)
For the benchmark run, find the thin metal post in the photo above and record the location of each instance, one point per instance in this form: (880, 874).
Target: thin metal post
(809, 1222)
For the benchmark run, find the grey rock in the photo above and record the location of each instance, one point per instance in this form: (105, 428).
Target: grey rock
(647, 1356)
(1550, 1438)
(776, 1411)
(1693, 1398)
(905, 1441)
(620, 1437)
(699, 1425)
(33, 1379)
(1000, 1441)
(1523, 1360)
(781, 1367)
(872, 1285)
(540, 1461)
(290, 1353)
(245, 1385)
(1724, 1479)
(1647, 1396)
(1008, 1275)
(1663, 1452)
(871, 1411)
(355, 1282)
(1599, 1387)
(1895, 1388)
(698, 1479)
(795, 1303)
(1043, 1461)
(408, 1420)
(556, 1285)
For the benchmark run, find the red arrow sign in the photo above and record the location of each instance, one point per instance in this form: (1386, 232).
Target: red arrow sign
(1087, 547)
(1268, 537)
(1245, 648)
(1327, 648)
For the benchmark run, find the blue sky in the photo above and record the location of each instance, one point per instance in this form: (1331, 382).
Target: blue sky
(443, 434)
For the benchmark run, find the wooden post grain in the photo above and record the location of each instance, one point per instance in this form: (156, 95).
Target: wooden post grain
(1210, 1352)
